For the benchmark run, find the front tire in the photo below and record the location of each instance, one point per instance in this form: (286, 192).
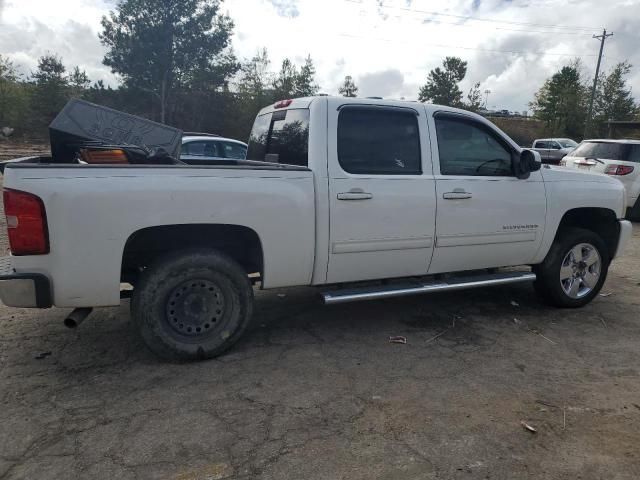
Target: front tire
(192, 305)
(574, 270)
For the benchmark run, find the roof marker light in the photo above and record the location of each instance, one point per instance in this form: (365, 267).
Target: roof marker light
(283, 103)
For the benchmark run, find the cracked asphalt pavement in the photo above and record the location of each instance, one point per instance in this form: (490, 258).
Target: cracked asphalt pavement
(315, 392)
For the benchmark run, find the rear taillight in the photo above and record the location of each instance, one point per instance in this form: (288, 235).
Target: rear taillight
(26, 223)
(618, 169)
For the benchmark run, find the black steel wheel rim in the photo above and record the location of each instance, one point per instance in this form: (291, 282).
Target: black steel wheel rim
(195, 308)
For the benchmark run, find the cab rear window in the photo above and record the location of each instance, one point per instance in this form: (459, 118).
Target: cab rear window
(608, 151)
(281, 136)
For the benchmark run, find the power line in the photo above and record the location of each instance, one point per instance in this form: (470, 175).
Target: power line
(349, 35)
(478, 19)
(464, 25)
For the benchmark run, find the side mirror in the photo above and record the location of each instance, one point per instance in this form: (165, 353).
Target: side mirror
(528, 161)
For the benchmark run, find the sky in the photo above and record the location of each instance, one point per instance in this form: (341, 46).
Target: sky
(387, 46)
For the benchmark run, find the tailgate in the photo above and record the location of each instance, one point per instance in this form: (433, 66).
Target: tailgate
(24, 160)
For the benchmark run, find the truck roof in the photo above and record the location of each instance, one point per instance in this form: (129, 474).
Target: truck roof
(431, 108)
(304, 102)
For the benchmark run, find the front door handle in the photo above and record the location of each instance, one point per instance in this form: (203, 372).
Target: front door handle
(456, 195)
(355, 194)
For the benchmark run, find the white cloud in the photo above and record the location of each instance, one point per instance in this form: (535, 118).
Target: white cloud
(286, 8)
(388, 51)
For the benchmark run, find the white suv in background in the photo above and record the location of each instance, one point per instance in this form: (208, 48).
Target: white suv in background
(618, 158)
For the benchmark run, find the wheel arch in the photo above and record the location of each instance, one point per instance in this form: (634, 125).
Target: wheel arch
(602, 221)
(239, 242)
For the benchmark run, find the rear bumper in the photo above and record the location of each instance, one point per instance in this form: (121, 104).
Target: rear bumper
(626, 230)
(27, 290)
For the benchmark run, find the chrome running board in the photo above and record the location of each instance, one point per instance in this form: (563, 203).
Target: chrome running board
(415, 288)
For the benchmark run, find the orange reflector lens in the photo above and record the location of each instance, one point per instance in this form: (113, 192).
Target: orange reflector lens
(104, 156)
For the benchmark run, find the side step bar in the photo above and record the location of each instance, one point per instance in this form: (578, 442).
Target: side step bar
(400, 289)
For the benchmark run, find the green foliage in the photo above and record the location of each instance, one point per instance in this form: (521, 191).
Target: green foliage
(255, 76)
(7, 70)
(164, 46)
(254, 91)
(561, 102)
(613, 99)
(50, 91)
(14, 96)
(348, 88)
(474, 98)
(285, 82)
(78, 82)
(442, 84)
(305, 84)
(291, 82)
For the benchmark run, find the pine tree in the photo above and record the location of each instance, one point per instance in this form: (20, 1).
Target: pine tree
(613, 99)
(474, 98)
(348, 88)
(305, 83)
(442, 84)
(284, 84)
(50, 90)
(165, 46)
(561, 101)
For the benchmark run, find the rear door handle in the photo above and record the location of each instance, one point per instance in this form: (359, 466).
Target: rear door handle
(355, 194)
(456, 195)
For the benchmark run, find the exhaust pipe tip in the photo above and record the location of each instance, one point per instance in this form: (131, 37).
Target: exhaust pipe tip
(77, 316)
(70, 323)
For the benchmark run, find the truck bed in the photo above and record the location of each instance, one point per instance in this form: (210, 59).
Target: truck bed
(93, 210)
(46, 162)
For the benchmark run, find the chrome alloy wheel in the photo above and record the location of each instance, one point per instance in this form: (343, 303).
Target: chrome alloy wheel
(580, 270)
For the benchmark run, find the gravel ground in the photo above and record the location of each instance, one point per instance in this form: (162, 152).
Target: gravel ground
(318, 392)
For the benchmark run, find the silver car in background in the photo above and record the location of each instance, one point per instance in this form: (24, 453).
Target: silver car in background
(211, 149)
(552, 150)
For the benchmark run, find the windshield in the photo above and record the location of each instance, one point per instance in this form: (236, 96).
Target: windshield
(280, 137)
(606, 150)
(567, 143)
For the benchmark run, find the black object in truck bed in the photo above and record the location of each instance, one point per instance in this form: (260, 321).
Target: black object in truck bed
(82, 122)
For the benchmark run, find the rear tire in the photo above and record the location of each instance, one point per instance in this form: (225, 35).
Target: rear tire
(192, 305)
(574, 270)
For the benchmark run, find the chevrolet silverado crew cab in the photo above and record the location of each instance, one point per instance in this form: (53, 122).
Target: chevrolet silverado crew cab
(363, 198)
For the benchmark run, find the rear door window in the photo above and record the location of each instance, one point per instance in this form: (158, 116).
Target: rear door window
(235, 151)
(202, 148)
(604, 150)
(281, 136)
(379, 141)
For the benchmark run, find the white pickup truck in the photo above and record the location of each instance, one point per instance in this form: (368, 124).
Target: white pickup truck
(363, 198)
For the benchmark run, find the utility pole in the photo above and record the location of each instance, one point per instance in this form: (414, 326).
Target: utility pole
(602, 38)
